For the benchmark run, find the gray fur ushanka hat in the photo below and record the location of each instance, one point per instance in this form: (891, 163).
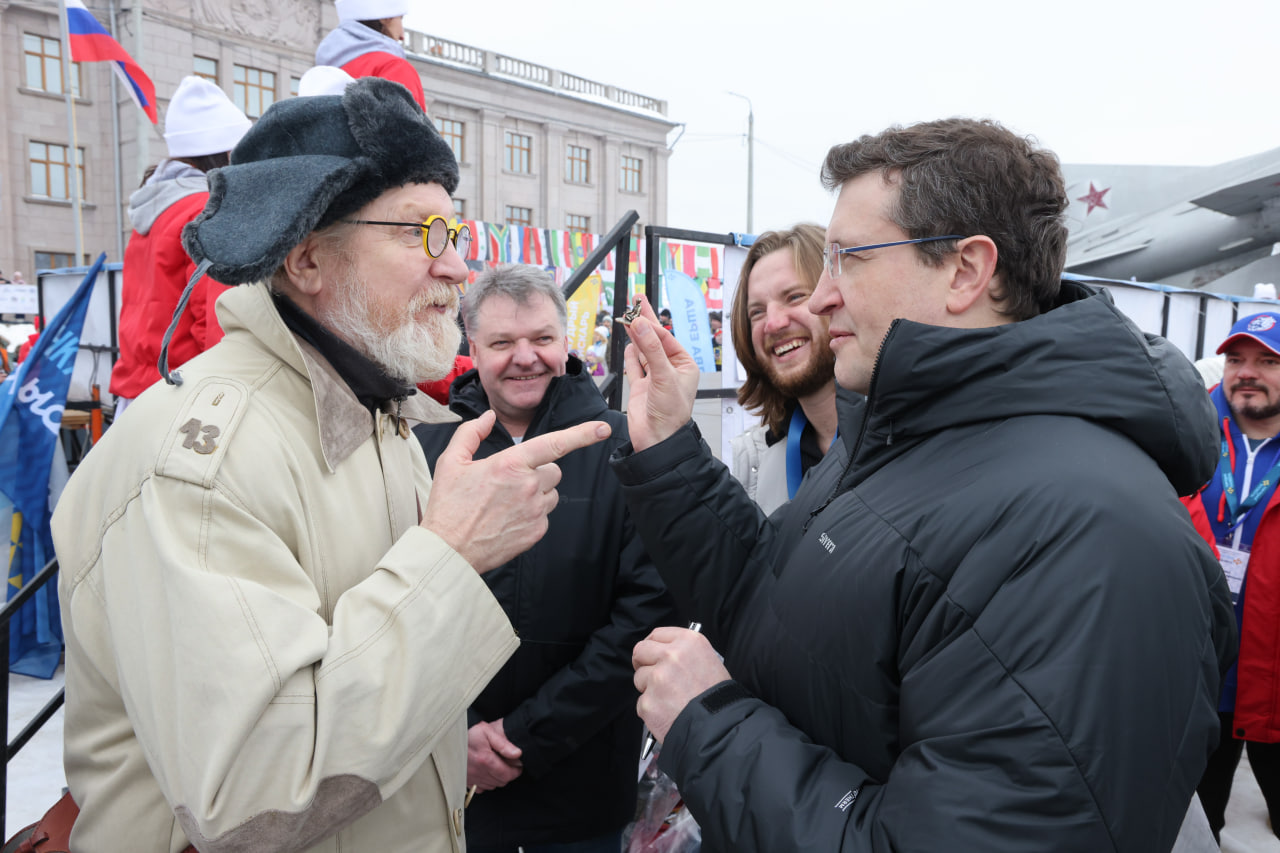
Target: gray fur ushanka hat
(307, 163)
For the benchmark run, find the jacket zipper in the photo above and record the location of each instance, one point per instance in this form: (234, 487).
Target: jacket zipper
(862, 431)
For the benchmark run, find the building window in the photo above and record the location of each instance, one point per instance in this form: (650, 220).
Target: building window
(295, 85)
(519, 215)
(460, 210)
(519, 151)
(453, 133)
(44, 65)
(255, 89)
(51, 170)
(57, 260)
(577, 165)
(629, 176)
(203, 66)
(580, 224)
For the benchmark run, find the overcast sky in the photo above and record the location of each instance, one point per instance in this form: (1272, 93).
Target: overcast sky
(1099, 81)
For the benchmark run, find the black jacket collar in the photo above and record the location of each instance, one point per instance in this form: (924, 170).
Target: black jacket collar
(1083, 358)
(570, 399)
(369, 382)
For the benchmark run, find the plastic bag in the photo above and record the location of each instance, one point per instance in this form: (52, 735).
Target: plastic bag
(663, 823)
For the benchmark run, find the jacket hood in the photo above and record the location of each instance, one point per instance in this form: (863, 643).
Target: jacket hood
(1084, 358)
(171, 182)
(353, 39)
(568, 400)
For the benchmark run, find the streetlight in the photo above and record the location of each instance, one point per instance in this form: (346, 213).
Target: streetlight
(751, 156)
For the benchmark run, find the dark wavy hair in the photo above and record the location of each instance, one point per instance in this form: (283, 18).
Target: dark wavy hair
(375, 24)
(970, 177)
(205, 163)
(757, 393)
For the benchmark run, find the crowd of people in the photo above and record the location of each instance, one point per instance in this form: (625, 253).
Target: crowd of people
(976, 581)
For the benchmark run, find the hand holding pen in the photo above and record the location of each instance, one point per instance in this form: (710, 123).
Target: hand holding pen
(672, 666)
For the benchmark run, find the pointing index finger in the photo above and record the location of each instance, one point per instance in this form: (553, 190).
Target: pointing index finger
(550, 447)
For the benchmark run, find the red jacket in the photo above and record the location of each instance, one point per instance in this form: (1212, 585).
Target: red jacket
(389, 67)
(24, 349)
(156, 270)
(439, 390)
(1257, 714)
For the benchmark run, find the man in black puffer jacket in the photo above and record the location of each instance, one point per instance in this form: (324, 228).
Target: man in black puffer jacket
(553, 740)
(993, 628)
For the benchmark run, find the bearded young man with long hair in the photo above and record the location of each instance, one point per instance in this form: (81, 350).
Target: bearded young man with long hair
(786, 353)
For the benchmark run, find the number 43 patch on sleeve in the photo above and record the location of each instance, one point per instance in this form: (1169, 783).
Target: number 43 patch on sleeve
(198, 439)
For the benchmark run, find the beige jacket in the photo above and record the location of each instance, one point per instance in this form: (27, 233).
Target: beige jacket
(760, 467)
(264, 650)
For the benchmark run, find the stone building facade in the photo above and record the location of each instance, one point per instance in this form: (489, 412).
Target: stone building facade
(537, 146)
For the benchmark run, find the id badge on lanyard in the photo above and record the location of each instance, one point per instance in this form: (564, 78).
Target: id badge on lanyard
(1235, 563)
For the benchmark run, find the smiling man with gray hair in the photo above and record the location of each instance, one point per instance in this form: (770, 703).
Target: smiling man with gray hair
(553, 739)
(274, 619)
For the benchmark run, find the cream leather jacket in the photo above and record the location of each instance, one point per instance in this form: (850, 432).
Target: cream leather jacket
(264, 650)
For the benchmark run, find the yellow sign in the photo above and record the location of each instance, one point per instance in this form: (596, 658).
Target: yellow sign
(582, 314)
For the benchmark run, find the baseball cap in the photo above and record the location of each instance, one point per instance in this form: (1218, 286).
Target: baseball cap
(1263, 328)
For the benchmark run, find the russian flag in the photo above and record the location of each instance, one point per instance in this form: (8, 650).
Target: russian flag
(91, 43)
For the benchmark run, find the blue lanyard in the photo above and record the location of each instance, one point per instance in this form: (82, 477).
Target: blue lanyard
(1237, 509)
(796, 429)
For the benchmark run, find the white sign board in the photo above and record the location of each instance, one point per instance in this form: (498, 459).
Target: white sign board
(93, 367)
(19, 299)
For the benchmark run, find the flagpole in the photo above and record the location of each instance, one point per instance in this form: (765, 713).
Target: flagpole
(73, 156)
(144, 140)
(115, 134)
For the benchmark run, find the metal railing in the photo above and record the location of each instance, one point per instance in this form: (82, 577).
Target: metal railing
(653, 237)
(46, 713)
(618, 240)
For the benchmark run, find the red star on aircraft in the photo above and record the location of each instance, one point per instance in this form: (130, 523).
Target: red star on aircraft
(1094, 198)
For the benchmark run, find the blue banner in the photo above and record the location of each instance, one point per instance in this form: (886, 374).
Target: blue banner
(31, 402)
(689, 321)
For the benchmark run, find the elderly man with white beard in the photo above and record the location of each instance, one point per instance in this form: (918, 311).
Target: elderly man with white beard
(275, 620)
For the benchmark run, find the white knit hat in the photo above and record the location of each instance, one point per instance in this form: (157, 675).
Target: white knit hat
(324, 80)
(202, 120)
(370, 10)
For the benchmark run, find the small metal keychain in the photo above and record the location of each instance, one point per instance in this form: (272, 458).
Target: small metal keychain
(630, 314)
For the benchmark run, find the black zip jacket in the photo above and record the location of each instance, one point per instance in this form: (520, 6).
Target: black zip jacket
(992, 629)
(580, 600)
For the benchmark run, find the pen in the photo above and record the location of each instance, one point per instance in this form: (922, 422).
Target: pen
(649, 739)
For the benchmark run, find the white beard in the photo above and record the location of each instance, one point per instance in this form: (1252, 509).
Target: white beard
(414, 344)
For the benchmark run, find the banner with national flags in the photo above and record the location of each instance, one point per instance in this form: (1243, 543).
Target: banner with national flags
(90, 42)
(542, 247)
(31, 402)
(563, 251)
